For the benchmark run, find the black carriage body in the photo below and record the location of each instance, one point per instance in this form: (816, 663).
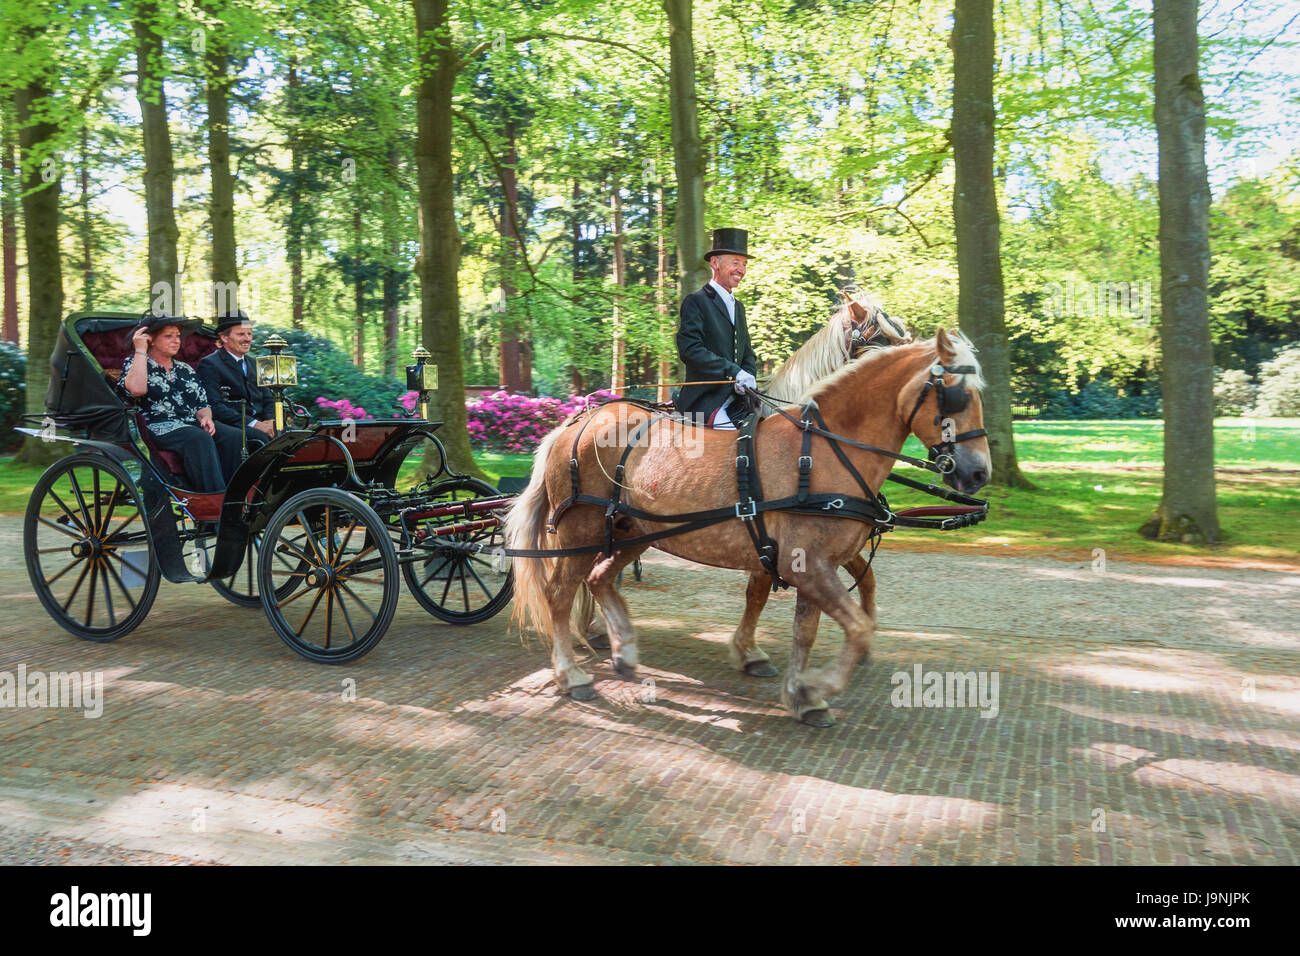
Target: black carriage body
(354, 456)
(299, 478)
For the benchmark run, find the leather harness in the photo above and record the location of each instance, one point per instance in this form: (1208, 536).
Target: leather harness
(871, 508)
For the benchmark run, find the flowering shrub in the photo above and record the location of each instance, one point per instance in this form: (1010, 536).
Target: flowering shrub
(505, 422)
(344, 409)
(13, 392)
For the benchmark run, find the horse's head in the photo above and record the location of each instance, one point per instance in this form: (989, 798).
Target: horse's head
(866, 324)
(944, 411)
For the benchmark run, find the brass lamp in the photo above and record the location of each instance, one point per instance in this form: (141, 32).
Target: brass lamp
(277, 372)
(422, 377)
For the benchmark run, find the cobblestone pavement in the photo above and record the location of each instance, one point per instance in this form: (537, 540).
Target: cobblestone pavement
(1144, 715)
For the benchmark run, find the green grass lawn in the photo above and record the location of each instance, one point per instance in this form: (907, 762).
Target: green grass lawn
(1097, 481)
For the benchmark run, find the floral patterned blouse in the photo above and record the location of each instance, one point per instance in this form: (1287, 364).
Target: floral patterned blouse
(173, 397)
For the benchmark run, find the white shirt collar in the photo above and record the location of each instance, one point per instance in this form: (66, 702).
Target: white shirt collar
(237, 358)
(727, 296)
(728, 300)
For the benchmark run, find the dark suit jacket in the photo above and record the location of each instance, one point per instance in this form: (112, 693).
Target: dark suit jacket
(711, 348)
(220, 369)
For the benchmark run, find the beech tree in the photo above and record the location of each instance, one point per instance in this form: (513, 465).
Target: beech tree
(1188, 509)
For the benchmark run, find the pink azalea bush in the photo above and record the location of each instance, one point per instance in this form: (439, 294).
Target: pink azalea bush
(517, 423)
(344, 409)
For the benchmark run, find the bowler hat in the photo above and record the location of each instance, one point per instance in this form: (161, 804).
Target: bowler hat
(228, 320)
(734, 242)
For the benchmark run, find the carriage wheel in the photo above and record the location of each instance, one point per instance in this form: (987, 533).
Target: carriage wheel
(87, 548)
(241, 587)
(327, 573)
(456, 586)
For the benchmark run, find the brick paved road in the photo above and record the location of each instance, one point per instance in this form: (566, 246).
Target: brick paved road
(1163, 703)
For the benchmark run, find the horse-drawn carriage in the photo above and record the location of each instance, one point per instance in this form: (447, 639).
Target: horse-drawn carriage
(318, 527)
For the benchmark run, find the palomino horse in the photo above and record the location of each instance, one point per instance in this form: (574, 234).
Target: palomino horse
(867, 402)
(859, 324)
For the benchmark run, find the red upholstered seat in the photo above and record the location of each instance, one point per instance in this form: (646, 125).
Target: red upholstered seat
(170, 460)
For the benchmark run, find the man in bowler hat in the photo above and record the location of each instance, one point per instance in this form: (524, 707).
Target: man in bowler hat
(229, 376)
(713, 340)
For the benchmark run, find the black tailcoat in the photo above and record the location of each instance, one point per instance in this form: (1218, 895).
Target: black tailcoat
(220, 369)
(711, 349)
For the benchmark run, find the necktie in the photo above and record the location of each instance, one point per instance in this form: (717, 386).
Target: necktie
(243, 368)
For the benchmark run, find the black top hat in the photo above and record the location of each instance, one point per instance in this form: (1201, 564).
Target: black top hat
(228, 320)
(153, 322)
(733, 242)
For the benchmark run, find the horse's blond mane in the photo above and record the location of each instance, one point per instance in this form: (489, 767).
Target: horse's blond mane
(826, 352)
(963, 354)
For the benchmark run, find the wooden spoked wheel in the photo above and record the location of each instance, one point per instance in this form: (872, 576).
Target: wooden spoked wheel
(461, 587)
(87, 548)
(327, 575)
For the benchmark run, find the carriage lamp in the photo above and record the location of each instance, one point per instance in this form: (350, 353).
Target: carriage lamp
(277, 372)
(422, 377)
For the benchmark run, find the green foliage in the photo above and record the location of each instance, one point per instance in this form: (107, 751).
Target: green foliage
(325, 372)
(1101, 399)
(13, 392)
(1234, 392)
(1279, 384)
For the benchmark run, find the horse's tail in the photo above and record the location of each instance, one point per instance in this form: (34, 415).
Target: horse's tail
(584, 613)
(525, 528)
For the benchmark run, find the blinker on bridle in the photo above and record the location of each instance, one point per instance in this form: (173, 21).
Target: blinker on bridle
(952, 400)
(859, 343)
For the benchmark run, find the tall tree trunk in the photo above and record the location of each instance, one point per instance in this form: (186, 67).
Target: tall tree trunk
(87, 240)
(221, 205)
(439, 237)
(618, 370)
(159, 171)
(510, 332)
(358, 293)
(294, 240)
(44, 265)
(392, 288)
(8, 212)
(1188, 511)
(661, 296)
(975, 212)
(688, 151)
(576, 379)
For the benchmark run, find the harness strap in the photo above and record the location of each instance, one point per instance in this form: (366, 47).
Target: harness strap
(748, 490)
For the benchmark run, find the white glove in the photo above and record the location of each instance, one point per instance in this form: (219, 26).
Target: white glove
(745, 380)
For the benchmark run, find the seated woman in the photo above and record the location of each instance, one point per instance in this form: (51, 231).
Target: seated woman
(175, 405)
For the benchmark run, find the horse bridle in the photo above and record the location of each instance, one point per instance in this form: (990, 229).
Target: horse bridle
(952, 400)
(859, 343)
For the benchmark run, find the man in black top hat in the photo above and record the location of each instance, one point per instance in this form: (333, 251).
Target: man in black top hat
(712, 338)
(229, 377)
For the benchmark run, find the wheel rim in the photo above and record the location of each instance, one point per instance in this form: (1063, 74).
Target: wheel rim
(457, 585)
(88, 550)
(332, 567)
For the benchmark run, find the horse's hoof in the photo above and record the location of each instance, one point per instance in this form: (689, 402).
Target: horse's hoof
(817, 718)
(761, 669)
(583, 692)
(622, 668)
(599, 641)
